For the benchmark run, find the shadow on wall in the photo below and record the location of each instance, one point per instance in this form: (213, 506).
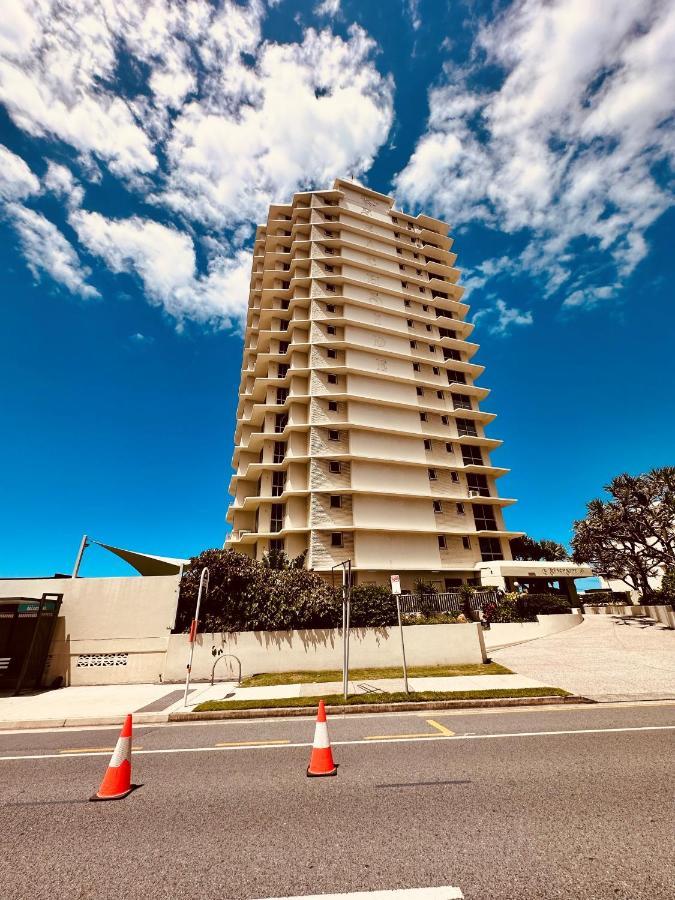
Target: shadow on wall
(329, 638)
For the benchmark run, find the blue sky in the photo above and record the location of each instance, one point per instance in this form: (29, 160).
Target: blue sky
(141, 142)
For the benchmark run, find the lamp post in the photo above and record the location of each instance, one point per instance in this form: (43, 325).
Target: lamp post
(203, 587)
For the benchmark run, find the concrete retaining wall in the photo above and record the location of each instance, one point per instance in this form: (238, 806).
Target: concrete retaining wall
(120, 626)
(313, 650)
(507, 633)
(663, 614)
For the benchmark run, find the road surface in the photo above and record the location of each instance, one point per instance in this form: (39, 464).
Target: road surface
(540, 803)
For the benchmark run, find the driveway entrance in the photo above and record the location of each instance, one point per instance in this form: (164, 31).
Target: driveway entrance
(606, 658)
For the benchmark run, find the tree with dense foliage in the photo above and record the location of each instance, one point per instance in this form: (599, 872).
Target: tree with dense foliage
(630, 536)
(245, 595)
(525, 547)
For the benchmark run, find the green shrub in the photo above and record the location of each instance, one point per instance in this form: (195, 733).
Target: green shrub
(531, 605)
(245, 595)
(372, 606)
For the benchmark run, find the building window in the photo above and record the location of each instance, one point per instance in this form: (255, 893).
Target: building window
(336, 539)
(454, 477)
(330, 307)
(279, 451)
(450, 448)
(406, 302)
(440, 395)
(278, 483)
(409, 323)
(276, 545)
(471, 456)
(428, 327)
(413, 345)
(466, 427)
(460, 509)
(331, 354)
(446, 421)
(331, 329)
(332, 406)
(436, 370)
(451, 354)
(333, 435)
(283, 347)
(484, 517)
(416, 367)
(424, 417)
(432, 475)
(478, 484)
(432, 349)
(455, 376)
(427, 444)
(404, 284)
(442, 542)
(420, 391)
(490, 548)
(336, 501)
(277, 517)
(280, 422)
(282, 396)
(332, 378)
(461, 401)
(438, 506)
(466, 543)
(335, 467)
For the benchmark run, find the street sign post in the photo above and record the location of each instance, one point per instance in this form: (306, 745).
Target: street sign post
(396, 591)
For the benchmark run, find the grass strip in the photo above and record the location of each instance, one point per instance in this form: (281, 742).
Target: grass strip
(398, 697)
(267, 679)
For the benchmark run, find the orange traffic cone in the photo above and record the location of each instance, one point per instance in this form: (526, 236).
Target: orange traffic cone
(321, 762)
(116, 783)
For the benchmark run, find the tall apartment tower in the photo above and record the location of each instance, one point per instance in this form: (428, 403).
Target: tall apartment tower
(359, 430)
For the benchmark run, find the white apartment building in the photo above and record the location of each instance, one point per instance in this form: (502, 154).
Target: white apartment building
(360, 433)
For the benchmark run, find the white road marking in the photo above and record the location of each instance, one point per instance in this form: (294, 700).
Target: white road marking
(363, 741)
(437, 893)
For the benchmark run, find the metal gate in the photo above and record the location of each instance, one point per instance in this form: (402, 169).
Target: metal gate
(26, 629)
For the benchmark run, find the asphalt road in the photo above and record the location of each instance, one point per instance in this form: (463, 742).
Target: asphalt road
(558, 803)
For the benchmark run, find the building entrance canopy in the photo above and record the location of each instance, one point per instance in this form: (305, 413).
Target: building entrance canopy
(526, 568)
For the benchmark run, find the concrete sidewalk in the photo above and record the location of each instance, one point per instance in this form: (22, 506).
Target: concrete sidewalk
(108, 704)
(606, 658)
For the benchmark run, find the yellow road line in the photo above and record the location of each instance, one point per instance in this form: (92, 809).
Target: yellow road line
(92, 750)
(250, 743)
(441, 730)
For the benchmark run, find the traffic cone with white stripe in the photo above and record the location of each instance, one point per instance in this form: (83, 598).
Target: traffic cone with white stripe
(321, 762)
(116, 782)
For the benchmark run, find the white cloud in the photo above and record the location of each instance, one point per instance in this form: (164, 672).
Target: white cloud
(501, 318)
(565, 147)
(48, 251)
(60, 181)
(16, 179)
(317, 109)
(210, 121)
(413, 9)
(327, 8)
(165, 261)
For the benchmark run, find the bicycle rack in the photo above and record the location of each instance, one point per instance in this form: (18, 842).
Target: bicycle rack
(225, 656)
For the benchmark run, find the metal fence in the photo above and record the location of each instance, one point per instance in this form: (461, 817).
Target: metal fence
(448, 602)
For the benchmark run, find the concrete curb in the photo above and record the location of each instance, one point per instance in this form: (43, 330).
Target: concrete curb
(285, 712)
(354, 709)
(83, 722)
